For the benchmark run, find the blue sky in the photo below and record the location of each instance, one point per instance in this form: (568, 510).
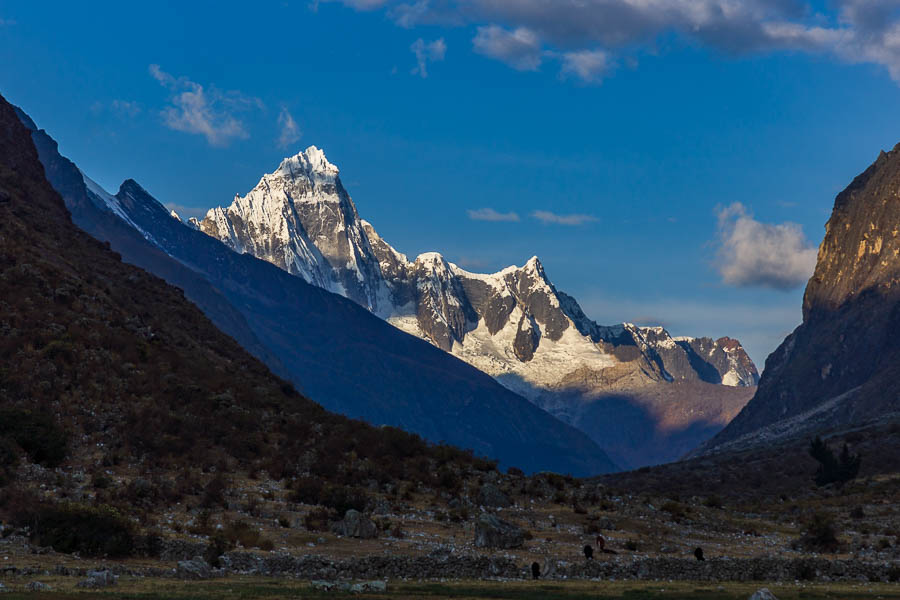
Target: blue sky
(683, 154)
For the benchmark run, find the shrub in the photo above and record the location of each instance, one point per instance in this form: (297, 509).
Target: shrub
(36, 433)
(88, 530)
(713, 502)
(820, 534)
(833, 469)
(316, 520)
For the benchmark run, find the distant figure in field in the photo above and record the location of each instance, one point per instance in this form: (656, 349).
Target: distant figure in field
(588, 552)
(698, 554)
(601, 543)
(535, 570)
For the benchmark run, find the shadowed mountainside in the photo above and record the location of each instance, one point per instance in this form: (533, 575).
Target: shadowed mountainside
(334, 351)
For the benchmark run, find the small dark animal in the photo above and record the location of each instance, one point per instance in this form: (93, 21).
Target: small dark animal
(588, 552)
(698, 554)
(535, 570)
(601, 543)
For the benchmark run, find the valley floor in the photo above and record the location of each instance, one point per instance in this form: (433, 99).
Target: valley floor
(252, 588)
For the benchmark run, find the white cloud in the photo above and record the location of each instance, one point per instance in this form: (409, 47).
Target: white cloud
(755, 254)
(520, 48)
(290, 131)
(550, 218)
(425, 52)
(521, 33)
(209, 113)
(587, 65)
(489, 214)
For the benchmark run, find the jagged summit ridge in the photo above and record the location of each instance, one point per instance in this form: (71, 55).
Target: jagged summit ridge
(513, 324)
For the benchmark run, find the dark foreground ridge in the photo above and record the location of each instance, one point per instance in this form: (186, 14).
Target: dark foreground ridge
(332, 349)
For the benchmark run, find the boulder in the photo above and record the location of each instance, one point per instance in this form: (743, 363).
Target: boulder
(492, 496)
(368, 586)
(98, 579)
(763, 594)
(493, 532)
(196, 568)
(357, 525)
(37, 586)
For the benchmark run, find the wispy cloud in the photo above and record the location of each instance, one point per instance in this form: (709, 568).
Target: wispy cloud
(522, 33)
(7, 22)
(489, 214)
(425, 53)
(550, 218)
(519, 48)
(123, 109)
(290, 131)
(210, 113)
(589, 66)
(755, 254)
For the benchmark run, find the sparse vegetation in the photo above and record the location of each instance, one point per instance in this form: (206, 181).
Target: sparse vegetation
(833, 469)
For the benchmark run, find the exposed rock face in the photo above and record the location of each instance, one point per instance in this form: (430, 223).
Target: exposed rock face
(842, 364)
(514, 324)
(356, 525)
(493, 532)
(492, 496)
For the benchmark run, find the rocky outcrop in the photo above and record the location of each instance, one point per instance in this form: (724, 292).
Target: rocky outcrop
(493, 532)
(356, 525)
(842, 364)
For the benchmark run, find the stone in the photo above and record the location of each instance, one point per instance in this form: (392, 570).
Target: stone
(368, 586)
(196, 568)
(763, 594)
(492, 496)
(493, 532)
(98, 579)
(357, 525)
(37, 586)
(4, 589)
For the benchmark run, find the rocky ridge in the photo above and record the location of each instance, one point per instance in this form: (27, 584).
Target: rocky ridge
(840, 366)
(514, 324)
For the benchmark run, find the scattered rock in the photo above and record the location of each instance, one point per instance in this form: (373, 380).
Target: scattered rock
(369, 586)
(493, 532)
(37, 586)
(492, 496)
(357, 525)
(763, 594)
(4, 589)
(196, 568)
(98, 579)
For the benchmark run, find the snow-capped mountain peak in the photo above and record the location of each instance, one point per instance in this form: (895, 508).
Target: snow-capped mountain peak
(513, 324)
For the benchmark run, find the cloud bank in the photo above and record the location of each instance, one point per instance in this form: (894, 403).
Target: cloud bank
(754, 254)
(583, 36)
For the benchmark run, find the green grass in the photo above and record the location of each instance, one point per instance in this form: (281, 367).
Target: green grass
(250, 588)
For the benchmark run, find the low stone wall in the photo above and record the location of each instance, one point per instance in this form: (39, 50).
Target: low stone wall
(480, 567)
(397, 567)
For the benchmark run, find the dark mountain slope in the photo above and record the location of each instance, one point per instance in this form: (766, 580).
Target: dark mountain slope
(102, 224)
(138, 375)
(343, 356)
(842, 364)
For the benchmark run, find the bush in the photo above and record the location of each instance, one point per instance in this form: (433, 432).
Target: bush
(36, 433)
(820, 534)
(833, 469)
(88, 530)
(713, 502)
